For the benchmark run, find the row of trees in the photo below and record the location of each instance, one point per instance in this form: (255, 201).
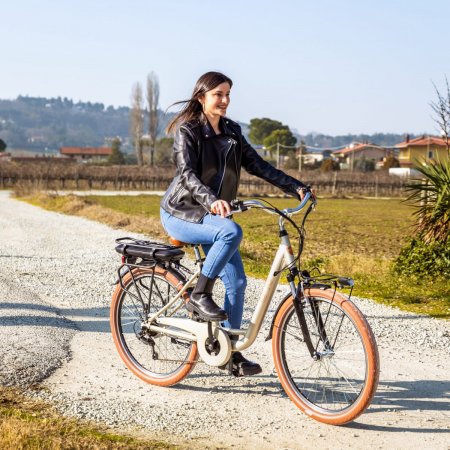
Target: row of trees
(162, 153)
(140, 139)
(271, 134)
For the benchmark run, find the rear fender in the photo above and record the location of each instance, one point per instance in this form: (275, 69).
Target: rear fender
(125, 269)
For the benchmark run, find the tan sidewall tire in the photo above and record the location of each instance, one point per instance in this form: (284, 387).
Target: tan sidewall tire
(192, 358)
(368, 338)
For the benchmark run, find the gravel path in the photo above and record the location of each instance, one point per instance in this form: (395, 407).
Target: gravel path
(56, 276)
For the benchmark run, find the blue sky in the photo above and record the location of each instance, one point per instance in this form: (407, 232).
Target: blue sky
(335, 67)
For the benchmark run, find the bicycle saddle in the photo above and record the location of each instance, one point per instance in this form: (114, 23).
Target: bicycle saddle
(178, 243)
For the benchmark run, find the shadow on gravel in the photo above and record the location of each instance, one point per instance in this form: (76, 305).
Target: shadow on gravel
(91, 319)
(394, 429)
(264, 385)
(94, 320)
(423, 395)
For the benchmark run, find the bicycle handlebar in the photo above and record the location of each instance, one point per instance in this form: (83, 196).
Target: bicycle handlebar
(238, 206)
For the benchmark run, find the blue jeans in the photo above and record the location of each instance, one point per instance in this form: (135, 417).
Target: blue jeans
(220, 239)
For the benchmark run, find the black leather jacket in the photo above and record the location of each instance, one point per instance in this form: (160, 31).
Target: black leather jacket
(209, 168)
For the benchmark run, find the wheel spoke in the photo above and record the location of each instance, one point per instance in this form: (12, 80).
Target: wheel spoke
(334, 380)
(157, 355)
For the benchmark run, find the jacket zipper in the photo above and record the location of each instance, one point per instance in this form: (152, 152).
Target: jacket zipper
(176, 194)
(231, 142)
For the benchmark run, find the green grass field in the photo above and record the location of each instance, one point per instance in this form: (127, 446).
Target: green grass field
(372, 227)
(353, 237)
(350, 237)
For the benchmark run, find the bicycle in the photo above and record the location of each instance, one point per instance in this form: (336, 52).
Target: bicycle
(324, 350)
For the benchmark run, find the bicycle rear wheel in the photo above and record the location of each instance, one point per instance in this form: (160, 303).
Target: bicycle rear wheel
(338, 383)
(154, 357)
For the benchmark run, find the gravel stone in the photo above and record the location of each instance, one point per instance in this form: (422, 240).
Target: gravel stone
(56, 280)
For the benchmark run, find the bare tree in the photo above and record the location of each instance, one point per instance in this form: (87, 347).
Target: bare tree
(152, 103)
(137, 121)
(441, 109)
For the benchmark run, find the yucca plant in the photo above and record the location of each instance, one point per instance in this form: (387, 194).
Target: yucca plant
(430, 195)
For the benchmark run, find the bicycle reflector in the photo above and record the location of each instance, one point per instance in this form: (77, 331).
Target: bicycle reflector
(124, 259)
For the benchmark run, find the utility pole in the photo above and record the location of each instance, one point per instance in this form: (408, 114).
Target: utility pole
(352, 154)
(278, 154)
(300, 155)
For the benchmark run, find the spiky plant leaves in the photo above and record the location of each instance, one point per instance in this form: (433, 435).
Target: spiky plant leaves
(430, 195)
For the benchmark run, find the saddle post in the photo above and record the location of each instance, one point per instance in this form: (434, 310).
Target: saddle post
(198, 256)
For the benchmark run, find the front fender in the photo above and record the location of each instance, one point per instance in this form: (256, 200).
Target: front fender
(287, 296)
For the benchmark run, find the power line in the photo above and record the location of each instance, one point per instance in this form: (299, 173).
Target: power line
(326, 148)
(339, 147)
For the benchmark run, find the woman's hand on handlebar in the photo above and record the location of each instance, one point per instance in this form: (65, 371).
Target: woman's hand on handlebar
(303, 190)
(221, 208)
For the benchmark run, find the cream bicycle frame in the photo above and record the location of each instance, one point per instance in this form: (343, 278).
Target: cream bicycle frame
(188, 328)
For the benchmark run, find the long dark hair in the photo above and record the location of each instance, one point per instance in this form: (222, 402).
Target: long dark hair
(192, 108)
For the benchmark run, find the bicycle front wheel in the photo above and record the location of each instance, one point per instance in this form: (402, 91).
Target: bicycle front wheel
(154, 357)
(337, 383)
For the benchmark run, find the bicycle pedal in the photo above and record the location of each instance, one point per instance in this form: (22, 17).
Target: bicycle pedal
(197, 318)
(193, 315)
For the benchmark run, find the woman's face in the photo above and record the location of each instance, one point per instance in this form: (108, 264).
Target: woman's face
(215, 102)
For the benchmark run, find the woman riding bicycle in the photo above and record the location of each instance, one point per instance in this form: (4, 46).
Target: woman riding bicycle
(209, 150)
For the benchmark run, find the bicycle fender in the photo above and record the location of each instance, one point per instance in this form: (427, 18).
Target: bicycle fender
(285, 299)
(126, 270)
(180, 277)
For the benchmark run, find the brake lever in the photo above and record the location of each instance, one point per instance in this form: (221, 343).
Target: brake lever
(237, 206)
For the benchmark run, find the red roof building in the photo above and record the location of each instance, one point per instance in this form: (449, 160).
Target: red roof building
(349, 155)
(5, 156)
(422, 149)
(86, 153)
(423, 141)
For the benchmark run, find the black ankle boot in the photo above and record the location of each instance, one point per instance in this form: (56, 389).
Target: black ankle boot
(242, 367)
(201, 301)
(239, 366)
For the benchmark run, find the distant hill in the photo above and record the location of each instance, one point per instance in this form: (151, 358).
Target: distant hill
(325, 141)
(39, 123)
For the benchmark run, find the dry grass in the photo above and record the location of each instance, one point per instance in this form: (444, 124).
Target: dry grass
(34, 425)
(80, 206)
(353, 265)
(24, 188)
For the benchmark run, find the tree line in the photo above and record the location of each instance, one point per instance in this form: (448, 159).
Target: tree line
(46, 124)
